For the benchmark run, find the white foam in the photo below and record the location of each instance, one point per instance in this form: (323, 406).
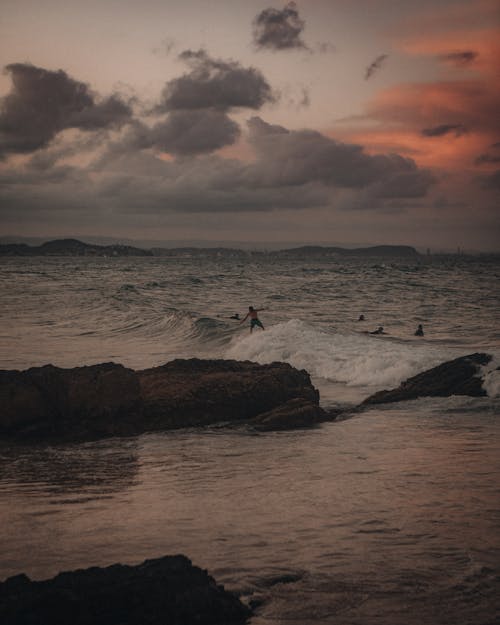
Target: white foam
(353, 359)
(491, 378)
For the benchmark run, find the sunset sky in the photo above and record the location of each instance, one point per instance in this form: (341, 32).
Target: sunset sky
(346, 122)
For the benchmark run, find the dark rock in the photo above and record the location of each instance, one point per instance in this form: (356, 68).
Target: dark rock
(100, 400)
(108, 399)
(165, 590)
(293, 414)
(199, 392)
(456, 377)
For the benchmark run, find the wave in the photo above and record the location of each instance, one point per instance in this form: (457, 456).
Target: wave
(491, 378)
(353, 359)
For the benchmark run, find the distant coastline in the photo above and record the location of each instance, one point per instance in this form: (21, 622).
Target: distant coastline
(74, 247)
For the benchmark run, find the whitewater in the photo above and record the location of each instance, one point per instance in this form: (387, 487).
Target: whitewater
(391, 516)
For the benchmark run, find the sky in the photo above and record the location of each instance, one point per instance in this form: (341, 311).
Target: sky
(318, 121)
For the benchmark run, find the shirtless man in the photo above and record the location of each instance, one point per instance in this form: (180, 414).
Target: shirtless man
(254, 320)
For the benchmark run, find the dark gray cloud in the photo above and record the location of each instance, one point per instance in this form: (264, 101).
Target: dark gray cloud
(460, 58)
(488, 157)
(181, 133)
(444, 129)
(410, 184)
(491, 181)
(375, 66)
(194, 132)
(279, 30)
(483, 159)
(294, 158)
(217, 84)
(42, 103)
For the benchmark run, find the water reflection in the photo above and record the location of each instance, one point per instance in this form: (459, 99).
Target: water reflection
(88, 471)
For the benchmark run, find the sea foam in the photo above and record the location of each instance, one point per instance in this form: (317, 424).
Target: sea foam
(353, 359)
(491, 378)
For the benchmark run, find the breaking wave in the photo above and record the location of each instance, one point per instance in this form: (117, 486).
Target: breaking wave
(353, 359)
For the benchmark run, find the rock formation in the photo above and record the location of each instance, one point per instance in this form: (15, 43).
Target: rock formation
(455, 377)
(109, 399)
(165, 590)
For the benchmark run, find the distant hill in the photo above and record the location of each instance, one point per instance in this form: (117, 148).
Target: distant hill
(73, 247)
(70, 247)
(385, 251)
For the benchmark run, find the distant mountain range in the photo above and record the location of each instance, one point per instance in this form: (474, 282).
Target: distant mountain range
(73, 247)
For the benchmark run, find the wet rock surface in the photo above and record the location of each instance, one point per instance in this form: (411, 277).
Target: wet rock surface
(96, 401)
(293, 414)
(164, 590)
(455, 377)
(111, 400)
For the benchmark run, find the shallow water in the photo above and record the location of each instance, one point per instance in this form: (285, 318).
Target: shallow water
(390, 517)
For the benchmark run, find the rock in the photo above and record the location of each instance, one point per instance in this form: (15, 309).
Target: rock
(165, 590)
(199, 392)
(456, 377)
(100, 400)
(110, 400)
(293, 414)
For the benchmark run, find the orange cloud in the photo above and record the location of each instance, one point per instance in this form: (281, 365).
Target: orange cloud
(482, 46)
(450, 122)
(444, 152)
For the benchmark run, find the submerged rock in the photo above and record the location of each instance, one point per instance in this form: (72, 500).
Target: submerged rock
(109, 399)
(455, 377)
(165, 590)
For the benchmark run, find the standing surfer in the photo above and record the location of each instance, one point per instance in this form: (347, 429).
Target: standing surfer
(254, 319)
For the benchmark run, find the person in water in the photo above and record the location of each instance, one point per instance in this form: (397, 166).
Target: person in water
(379, 330)
(254, 319)
(361, 318)
(419, 331)
(235, 316)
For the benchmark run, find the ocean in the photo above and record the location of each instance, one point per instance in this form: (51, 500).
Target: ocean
(391, 516)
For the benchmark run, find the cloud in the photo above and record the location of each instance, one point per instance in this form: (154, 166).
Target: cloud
(460, 58)
(326, 47)
(294, 158)
(375, 65)
(444, 129)
(471, 104)
(165, 48)
(492, 181)
(279, 30)
(217, 84)
(190, 132)
(291, 171)
(42, 103)
(487, 158)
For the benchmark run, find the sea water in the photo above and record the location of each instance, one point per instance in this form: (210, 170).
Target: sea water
(391, 516)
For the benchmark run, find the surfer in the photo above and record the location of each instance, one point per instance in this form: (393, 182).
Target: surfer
(235, 316)
(419, 331)
(379, 330)
(254, 319)
(361, 318)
